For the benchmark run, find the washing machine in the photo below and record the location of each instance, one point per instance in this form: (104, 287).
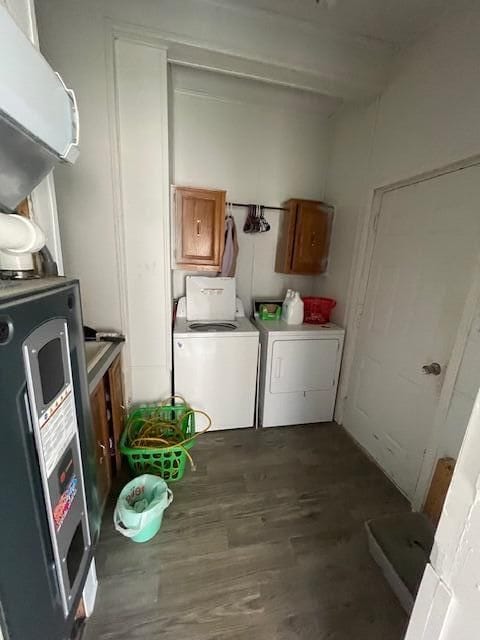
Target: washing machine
(299, 370)
(215, 353)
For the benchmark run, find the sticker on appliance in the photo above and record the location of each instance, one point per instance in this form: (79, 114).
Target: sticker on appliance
(68, 484)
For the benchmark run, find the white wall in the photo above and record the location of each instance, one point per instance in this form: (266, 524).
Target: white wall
(259, 143)
(427, 118)
(74, 39)
(346, 188)
(114, 201)
(77, 40)
(23, 12)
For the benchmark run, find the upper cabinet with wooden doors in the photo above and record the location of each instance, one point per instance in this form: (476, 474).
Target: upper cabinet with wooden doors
(199, 228)
(304, 237)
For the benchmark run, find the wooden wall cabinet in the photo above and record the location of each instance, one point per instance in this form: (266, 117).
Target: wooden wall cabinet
(199, 228)
(304, 237)
(107, 406)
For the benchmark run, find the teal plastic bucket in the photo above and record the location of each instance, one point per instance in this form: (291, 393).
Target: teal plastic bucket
(140, 506)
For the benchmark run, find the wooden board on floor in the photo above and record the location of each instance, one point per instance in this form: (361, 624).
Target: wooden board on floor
(438, 489)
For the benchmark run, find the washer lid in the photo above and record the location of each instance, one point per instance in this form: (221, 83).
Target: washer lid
(242, 328)
(210, 298)
(210, 327)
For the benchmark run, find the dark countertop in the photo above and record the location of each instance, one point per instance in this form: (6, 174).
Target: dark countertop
(101, 367)
(20, 288)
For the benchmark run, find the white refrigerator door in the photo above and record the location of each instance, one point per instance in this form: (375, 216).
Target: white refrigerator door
(218, 375)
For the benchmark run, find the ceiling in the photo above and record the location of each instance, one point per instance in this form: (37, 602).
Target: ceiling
(397, 22)
(227, 88)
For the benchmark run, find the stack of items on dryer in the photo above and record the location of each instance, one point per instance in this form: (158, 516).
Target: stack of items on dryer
(215, 353)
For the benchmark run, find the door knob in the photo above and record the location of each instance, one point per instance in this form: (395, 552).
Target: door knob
(433, 369)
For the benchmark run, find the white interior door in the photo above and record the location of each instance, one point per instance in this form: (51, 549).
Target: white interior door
(425, 251)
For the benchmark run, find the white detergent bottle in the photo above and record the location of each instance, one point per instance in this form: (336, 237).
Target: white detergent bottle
(286, 304)
(295, 310)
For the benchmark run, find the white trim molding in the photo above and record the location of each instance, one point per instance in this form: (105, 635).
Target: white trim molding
(359, 73)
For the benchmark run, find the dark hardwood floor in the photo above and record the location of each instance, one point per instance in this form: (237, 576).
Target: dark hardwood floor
(265, 541)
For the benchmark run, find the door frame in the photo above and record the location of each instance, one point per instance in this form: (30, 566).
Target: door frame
(358, 285)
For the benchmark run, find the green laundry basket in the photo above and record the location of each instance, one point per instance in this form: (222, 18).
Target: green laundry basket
(139, 510)
(168, 462)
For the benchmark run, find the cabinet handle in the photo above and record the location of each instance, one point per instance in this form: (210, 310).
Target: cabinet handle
(313, 238)
(278, 368)
(104, 449)
(198, 227)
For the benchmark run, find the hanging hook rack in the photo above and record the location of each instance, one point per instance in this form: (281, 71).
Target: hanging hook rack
(262, 206)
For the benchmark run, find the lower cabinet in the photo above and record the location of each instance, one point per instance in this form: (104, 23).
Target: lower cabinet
(117, 409)
(107, 406)
(102, 437)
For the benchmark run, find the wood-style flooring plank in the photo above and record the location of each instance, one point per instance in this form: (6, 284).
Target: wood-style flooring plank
(266, 540)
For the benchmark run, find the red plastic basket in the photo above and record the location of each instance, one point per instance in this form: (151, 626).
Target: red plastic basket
(317, 310)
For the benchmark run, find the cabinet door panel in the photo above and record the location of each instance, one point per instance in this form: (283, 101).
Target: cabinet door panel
(102, 449)
(200, 226)
(117, 405)
(286, 238)
(311, 239)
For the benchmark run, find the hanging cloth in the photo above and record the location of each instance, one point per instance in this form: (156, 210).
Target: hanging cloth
(230, 251)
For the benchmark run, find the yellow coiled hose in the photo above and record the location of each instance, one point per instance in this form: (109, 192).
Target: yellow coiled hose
(158, 433)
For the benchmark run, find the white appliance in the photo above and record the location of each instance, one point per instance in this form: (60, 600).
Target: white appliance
(215, 359)
(299, 369)
(210, 298)
(19, 239)
(38, 116)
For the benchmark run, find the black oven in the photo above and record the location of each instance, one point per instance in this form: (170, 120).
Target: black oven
(48, 506)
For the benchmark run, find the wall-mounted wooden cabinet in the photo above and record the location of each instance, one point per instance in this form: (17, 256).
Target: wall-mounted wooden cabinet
(304, 237)
(199, 228)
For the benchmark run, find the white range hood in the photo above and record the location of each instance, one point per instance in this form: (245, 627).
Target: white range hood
(39, 124)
